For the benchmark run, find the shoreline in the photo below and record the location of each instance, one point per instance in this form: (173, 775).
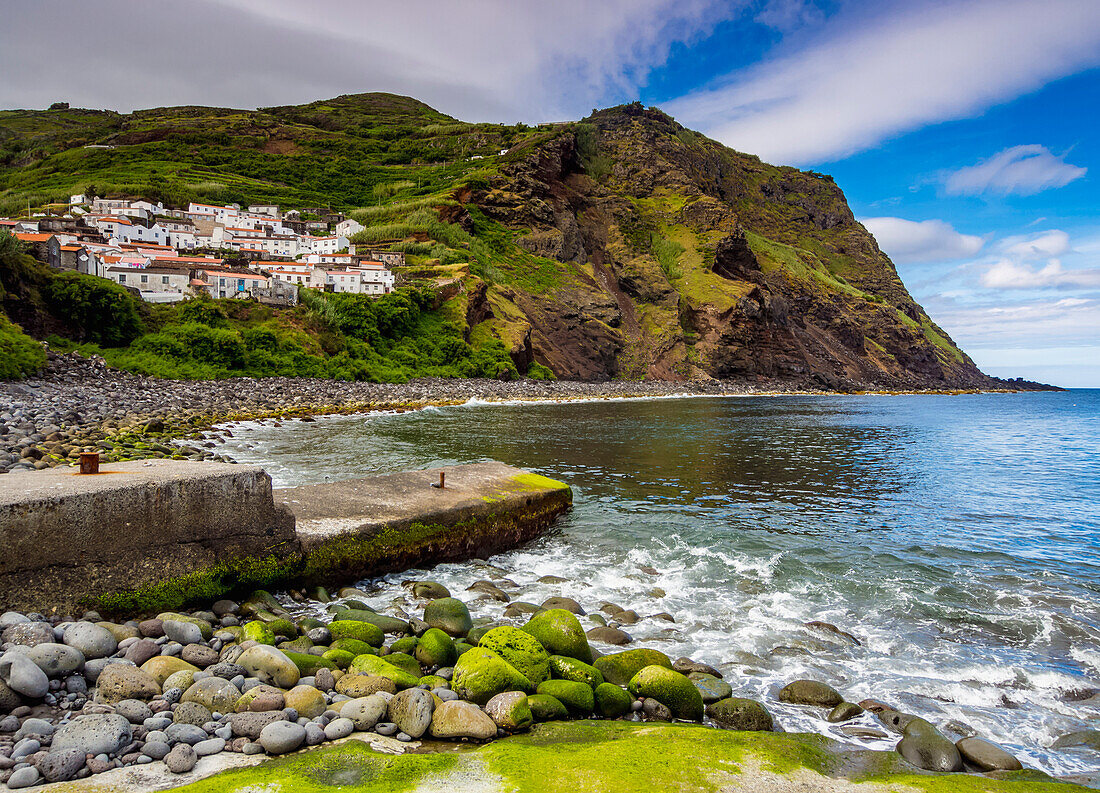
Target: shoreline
(79, 403)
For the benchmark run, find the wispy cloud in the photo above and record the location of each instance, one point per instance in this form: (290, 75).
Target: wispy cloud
(907, 241)
(864, 80)
(1065, 322)
(1020, 170)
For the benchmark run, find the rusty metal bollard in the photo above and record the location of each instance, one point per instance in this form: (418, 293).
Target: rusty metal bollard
(89, 462)
(441, 485)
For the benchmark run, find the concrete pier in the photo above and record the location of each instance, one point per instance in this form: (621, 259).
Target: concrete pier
(152, 535)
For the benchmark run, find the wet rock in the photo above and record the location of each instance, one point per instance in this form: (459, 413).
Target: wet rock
(430, 590)
(845, 711)
(450, 615)
(619, 668)
(893, 720)
(510, 711)
(739, 713)
(925, 747)
(671, 689)
(710, 687)
(560, 633)
(653, 710)
(608, 635)
(563, 603)
(987, 755)
(1089, 738)
(686, 666)
(490, 589)
(828, 627)
(810, 692)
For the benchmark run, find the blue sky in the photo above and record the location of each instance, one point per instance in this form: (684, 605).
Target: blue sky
(964, 133)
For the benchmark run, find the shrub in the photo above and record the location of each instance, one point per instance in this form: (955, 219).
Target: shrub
(20, 355)
(100, 311)
(537, 371)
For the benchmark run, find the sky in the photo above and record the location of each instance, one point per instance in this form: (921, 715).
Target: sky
(965, 134)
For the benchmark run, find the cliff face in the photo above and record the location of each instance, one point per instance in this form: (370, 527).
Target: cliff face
(680, 258)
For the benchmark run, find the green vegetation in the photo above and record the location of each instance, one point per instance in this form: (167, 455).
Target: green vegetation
(20, 355)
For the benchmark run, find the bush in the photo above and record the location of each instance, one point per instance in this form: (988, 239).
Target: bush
(100, 311)
(537, 371)
(20, 355)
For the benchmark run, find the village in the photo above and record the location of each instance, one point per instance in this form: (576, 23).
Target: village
(167, 254)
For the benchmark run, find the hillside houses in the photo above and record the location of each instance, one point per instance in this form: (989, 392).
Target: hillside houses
(167, 254)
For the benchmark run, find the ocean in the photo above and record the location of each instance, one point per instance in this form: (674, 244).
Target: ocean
(956, 537)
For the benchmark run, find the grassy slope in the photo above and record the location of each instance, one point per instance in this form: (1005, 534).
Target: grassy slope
(403, 169)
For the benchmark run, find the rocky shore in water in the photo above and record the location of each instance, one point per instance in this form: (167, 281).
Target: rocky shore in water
(80, 697)
(79, 403)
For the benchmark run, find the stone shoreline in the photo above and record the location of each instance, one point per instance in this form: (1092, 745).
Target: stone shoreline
(79, 403)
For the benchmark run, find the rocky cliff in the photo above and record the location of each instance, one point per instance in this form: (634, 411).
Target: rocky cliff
(680, 258)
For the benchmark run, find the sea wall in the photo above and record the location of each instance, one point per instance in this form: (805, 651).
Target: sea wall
(70, 538)
(154, 535)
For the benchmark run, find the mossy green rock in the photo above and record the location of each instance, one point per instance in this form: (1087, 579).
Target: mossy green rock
(302, 644)
(521, 650)
(203, 625)
(560, 633)
(436, 649)
(405, 645)
(431, 590)
(342, 658)
(283, 627)
(546, 708)
(710, 687)
(450, 615)
(358, 630)
(405, 662)
(739, 713)
(462, 647)
(435, 681)
(578, 698)
(671, 689)
(926, 747)
(270, 665)
(612, 702)
(353, 646)
(309, 664)
(563, 667)
(257, 631)
(810, 692)
(481, 674)
(163, 666)
(510, 711)
(620, 668)
(386, 624)
(373, 665)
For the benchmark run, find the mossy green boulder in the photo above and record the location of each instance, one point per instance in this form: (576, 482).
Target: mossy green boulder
(406, 644)
(510, 711)
(450, 615)
(476, 632)
(435, 649)
(302, 644)
(462, 647)
(739, 713)
(435, 681)
(620, 668)
(430, 590)
(671, 689)
(521, 650)
(546, 708)
(612, 702)
(560, 633)
(309, 664)
(373, 665)
(405, 662)
(353, 646)
(365, 632)
(283, 627)
(257, 631)
(342, 658)
(563, 667)
(481, 674)
(182, 679)
(578, 698)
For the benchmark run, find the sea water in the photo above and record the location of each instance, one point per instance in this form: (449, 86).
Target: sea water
(956, 537)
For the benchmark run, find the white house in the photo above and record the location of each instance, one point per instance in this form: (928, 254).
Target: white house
(326, 244)
(348, 227)
(271, 210)
(226, 283)
(157, 285)
(375, 277)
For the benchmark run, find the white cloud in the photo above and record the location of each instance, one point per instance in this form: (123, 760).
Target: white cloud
(1020, 170)
(862, 81)
(788, 15)
(1006, 274)
(924, 241)
(499, 60)
(1034, 324)
(1036, 246)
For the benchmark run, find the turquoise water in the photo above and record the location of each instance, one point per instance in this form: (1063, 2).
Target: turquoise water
(957, 537)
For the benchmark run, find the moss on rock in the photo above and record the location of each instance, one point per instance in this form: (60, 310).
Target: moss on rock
(620, 668)
(365, 632)
(450, 615)
(564, 668)
(481, 674)
(577, 697)
(671, 689)
(612, 702)
(373, 665)
(560, 632)
(521, 650)
(436, 649)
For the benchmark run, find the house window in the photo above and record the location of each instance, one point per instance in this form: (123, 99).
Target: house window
(164, 279)
(121, 278)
